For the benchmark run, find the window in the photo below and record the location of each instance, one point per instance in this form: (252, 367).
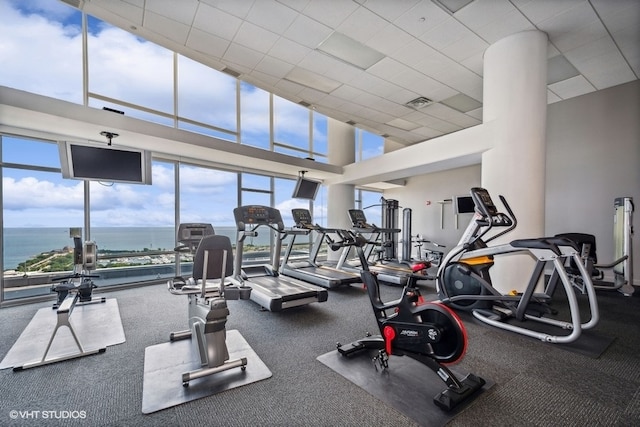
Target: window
(370, 203)
(320, 147)
(208, 97)
(254, 117)
(38, 208)
(368, 145)
(52, 63)
(129, 69)
(291, 128)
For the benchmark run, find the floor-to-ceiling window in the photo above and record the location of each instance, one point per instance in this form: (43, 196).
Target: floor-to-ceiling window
(43, 53)
(38, 210)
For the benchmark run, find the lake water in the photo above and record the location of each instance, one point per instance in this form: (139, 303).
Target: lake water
(21, 244)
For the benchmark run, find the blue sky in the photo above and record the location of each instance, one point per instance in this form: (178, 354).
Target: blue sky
(41, 53)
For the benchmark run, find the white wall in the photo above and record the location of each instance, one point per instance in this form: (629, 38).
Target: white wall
(435, 187)
(592, 157)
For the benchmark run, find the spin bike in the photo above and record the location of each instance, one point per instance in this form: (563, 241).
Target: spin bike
(464, 283)
(428, 332)
(208, 310)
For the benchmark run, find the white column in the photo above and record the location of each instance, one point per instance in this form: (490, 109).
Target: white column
(340, 197)
(515, 99)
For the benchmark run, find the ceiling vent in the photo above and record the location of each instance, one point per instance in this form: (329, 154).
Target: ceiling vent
(231, 72)
(351, 122)
(304, 104)
(419, 102)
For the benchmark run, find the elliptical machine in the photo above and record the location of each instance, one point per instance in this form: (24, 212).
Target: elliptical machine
(464, 283)
(428, 332)
(208, 310)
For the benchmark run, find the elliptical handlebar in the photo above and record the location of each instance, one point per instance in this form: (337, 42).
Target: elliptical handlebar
(490, 216)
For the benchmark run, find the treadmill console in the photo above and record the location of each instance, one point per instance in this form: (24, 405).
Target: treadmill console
(302, 218)
(488, 209)
(358, 219)
(257, 215)
(190, 234)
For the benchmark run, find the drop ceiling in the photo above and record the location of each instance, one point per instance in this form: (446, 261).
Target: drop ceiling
(364, 61)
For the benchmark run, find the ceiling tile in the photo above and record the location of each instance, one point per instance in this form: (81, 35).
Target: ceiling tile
(312, 80)
(254, 37)
(511, 23)
(571, 87)
(389, 10)
(236, 8)
(427, 132)
(217, 22)
(274, 67)
(480, 13)
(167, 8)
(242, 55)
(421, 18)
(552, 97)
(131, 13)
(271, 15)
(331, 16)
(469, 45)
(444, 34)
(298, 5)
(173, 30)
(389, 39)
(289, 51)
(403, 124)
(361, 25)
(540, 10)
(207, 43)
(387, 69)
(475, 63)
(588, 59)
(307, 32)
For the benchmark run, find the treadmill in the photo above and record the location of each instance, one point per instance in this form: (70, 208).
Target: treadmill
(309, 269)
(390, 272)
(269, 289)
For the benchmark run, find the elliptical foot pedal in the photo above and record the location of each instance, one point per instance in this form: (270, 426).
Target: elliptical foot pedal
(453, 397)
(491, 314)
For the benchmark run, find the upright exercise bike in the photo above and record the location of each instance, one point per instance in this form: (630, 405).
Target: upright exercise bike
(427, 332)
(208, 310)
(464, 281)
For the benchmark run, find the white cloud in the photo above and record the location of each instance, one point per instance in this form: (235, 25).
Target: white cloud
(27, 193)
(41, 52)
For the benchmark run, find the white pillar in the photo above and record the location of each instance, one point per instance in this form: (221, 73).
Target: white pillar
(340, 197)
(515, 99)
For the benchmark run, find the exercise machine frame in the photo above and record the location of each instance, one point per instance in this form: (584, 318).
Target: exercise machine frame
(427, 332)
(464, 283)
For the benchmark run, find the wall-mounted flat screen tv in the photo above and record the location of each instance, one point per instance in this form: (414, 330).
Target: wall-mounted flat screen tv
(463, 204)
(104, 163)
(306, 189)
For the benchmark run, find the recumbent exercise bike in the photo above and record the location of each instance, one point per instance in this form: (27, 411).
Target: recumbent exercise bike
(428, 332)
(208, 309)
(464, 283)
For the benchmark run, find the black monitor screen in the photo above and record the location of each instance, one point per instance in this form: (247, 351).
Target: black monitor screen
(105, 163)
(108, 165)
(464, 204)
(306, 189)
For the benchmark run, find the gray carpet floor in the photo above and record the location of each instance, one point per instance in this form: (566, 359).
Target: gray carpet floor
(536, 384)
